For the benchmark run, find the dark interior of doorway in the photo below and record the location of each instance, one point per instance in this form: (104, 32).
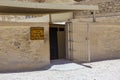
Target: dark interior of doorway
(54, 42)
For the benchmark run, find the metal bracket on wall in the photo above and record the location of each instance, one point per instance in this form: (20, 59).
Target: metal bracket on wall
(94, 17)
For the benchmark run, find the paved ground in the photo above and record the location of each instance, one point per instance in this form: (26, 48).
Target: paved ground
(66, 70)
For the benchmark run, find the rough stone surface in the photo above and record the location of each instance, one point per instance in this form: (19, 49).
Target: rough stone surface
(107, 6)
(18, 52)
(109, 10)
(104, 41)
(101, 18)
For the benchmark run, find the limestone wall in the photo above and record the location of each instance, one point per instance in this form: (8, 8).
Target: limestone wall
(104, 41)
(18, 52)
(105, 6)
(102, 18)
(109, 11)
(95, 41)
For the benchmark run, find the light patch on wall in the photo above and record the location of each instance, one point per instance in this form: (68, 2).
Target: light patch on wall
(37, 33)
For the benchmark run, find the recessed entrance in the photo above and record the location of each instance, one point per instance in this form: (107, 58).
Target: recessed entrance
(57, 42)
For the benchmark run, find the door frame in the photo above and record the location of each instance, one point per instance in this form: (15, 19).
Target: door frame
(58, 26)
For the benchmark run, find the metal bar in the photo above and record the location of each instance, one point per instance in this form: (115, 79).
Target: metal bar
(67, 40)
(72, 42)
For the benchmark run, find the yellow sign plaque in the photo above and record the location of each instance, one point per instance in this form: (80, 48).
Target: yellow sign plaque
(37, 33)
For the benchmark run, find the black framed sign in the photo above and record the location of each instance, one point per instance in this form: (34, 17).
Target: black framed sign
(37, 33)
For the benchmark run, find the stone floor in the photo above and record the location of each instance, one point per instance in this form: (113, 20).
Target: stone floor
(67, 70)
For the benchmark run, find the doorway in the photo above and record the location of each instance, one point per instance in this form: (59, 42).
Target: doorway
(57, 43)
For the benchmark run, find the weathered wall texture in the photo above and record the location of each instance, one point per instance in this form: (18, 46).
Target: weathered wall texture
(111, 18)
(104, 41)
(105, 6)
(109, 11)
(18, 52)
(102, 18)
(95, 41)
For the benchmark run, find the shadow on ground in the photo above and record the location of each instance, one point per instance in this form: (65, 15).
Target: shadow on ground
(55, 65)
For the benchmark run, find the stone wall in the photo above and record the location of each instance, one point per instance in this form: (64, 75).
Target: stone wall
(104, 41)
(112, 6)
(102, 18)
(18, 52)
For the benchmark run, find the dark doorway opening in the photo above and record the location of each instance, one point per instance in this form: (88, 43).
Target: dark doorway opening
(54, 42)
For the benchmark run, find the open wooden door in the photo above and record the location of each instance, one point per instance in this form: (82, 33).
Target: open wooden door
(78, 41)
